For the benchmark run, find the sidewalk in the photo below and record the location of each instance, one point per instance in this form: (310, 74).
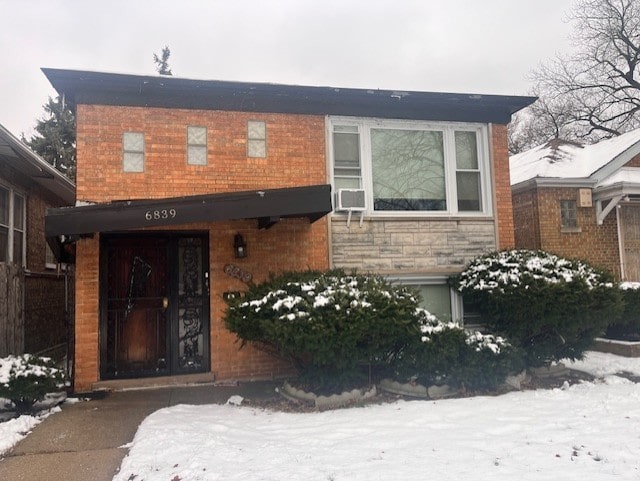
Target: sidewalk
(83, 442)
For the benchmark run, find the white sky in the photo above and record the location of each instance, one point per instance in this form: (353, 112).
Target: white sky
(469, 46)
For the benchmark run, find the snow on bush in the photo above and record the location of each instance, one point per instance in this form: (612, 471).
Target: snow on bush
(27, 378)
(552, 308)
(449, 354)
(333, 326)
(506, 269)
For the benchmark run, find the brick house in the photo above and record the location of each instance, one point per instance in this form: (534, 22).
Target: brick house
(187, 189)
(32, 290)
(581, 201)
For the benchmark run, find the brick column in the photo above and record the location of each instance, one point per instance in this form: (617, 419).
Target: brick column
(86, 364)
(502, 185)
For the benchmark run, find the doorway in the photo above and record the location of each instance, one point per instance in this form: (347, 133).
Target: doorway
(154, 305)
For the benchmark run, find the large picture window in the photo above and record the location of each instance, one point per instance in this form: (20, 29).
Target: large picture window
(406, 166)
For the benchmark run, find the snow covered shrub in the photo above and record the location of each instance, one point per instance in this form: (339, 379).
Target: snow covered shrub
(331, 325)
(551, 307)
(449, 354)
(627, 325)
(26, 379)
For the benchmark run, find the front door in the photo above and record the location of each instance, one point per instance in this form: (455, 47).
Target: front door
(154, 305)
(630, 232)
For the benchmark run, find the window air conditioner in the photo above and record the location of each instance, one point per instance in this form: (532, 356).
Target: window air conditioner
(351, 199)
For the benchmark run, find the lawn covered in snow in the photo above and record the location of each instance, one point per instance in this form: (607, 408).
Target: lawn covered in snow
(583, 432)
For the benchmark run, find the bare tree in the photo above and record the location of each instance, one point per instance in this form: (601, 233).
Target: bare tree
(594, 92)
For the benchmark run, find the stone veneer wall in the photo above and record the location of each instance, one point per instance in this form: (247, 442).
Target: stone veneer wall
(425, 246)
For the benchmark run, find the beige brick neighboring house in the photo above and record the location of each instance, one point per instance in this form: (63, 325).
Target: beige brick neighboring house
(31, 319)
(175, 175)
(581, 201)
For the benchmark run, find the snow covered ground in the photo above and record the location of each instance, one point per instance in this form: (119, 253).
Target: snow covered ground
(586, 431)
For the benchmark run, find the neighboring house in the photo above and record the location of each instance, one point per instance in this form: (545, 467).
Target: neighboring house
(32, 290)
(187, 189)
(581, 201)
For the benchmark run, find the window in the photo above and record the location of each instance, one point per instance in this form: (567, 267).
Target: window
(346, 157)
(437, 297)
(409, 167)
(12, 226)
(256, 138)
(568, 214)
(196, 145)
(467, 172)
(133, 151)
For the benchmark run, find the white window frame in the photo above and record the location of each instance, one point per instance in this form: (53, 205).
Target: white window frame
(11, 226)
(457, 311)
(365, 125)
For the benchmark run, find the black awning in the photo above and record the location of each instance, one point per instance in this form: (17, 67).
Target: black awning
(268, 206)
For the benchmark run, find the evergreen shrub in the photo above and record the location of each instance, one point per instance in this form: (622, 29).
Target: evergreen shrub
(26, 379)
(449, 354)
(334, 327)
(550, 307)
(627, 326)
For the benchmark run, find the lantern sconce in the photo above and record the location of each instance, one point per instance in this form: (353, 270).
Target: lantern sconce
(239, 246)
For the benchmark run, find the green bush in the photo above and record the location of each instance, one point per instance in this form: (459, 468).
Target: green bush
(448, 354)
(332, 326)
(26, 379)
(627, 325)
(552, 308)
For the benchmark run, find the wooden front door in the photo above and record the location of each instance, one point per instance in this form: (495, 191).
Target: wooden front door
(630, 230)
(154, 305)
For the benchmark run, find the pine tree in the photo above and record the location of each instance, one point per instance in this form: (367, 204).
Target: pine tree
(162, 62)
(55, 138)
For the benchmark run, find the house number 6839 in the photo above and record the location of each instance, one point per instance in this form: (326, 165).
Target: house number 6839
(160, 214)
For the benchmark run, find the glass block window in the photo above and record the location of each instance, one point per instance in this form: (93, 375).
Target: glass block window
(133, 151)
(256, 138)
(568, 214)
(196, 145)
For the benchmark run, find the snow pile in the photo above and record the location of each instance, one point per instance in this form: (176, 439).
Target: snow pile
(585, 431)
(14, 430)
(498, 270)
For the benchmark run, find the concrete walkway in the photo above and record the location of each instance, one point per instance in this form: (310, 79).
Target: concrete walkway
(83, 442)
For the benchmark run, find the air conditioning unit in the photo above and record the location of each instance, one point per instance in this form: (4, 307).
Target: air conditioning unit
(351, 199)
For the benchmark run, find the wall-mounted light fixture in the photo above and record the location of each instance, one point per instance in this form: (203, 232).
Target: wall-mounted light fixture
(239, 246)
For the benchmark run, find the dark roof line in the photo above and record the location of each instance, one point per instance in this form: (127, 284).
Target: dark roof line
(173, 92)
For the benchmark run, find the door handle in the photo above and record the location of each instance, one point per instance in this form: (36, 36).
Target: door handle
(165, 302)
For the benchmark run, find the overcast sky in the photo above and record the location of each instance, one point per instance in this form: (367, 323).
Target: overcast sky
(467, 46)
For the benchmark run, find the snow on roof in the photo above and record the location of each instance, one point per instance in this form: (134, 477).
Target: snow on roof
(628, 174)
(562, 159)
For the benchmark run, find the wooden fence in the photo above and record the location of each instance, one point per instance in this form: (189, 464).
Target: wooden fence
(11, 309)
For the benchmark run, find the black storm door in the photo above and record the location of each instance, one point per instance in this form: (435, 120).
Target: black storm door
(154, 305)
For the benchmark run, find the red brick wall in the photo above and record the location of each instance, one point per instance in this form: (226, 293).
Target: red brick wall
(596, 244)
(527, 221)
(295, 157)
(502, 184)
